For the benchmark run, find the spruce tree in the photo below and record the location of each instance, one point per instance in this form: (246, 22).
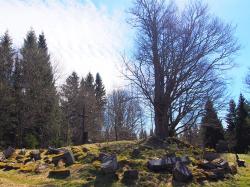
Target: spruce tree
(100, 92)
(18, 100)
(7, 125)
(40, 98)
(242, 126)
(231, 125)
(212, 130)
(70, 105)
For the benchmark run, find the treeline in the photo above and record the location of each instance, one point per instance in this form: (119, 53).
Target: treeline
(35, 113)
(235, 137)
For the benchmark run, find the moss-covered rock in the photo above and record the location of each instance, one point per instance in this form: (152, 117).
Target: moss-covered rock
(59, 174)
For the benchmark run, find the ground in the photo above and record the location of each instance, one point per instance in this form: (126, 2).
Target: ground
(86, 171)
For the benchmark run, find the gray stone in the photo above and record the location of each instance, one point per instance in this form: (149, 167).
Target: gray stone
(68, 158)
(185, 160)
(221, 163)
(181, 173)
(55, 151)
(135, 153)
(59, 174)
(36, 155)
(110, 164)
(22, 151)
(103, 156)
(204, 164)
(131, 175)
(2, 157)
(157, 165)
(240, 163)
(9, 152)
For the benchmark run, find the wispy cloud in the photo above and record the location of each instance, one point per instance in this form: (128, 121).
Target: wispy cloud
(80, 36)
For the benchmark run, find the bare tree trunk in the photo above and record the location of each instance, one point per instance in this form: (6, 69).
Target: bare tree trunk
(161, 122)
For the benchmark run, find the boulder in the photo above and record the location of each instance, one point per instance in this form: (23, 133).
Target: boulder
(59, 174)
(221, 163)
(2, 157)
(11, 166)
(233, 169)
(36, 155)
(210, 156)
(136, 152)
(240, 163)
(131, 175)
(102, 156)
(185, 160)
(40, 168)
(68, 158)
(181, 173)
(84, 149)
(219, 173)
(55, 151)
(109, 164)
(157, 165)
(22, 151)
(206, 165)
(9, 152)
(167, 163)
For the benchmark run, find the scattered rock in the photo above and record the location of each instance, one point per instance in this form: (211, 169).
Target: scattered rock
(68, 158)
(2, 157)
(233, 169)
(103, 156)
(219, 173)
(136, 152)
(61, 164)
(35, 154)
(204, 164)
(40, 168)
(110, 164)
(157, 165)
(210, 175)
(55, 151)
(131, 175)
(167, 163)
(181, 173)
(9, 152)
(59, 174)
(84, 149)
(221, 163)
(11, 166)
(185, 160)
(22, 151)
(210, 156)
(241, 163)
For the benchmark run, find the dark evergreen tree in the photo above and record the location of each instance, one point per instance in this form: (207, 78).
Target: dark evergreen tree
(231, 125)
(40, 98)
(7, 118)
(242, 127)
(100, 92)
(212, 130)
(70, 105)
(18, 100)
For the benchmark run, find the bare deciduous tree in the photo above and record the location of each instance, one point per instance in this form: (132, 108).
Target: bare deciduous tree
(178, 60)
(124, 116)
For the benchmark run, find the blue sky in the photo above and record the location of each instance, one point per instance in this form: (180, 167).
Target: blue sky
(89, 35)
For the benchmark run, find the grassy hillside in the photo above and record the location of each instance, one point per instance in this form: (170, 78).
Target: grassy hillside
(86, 171)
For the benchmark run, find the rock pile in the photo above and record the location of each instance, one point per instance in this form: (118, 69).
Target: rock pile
(171, 163)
